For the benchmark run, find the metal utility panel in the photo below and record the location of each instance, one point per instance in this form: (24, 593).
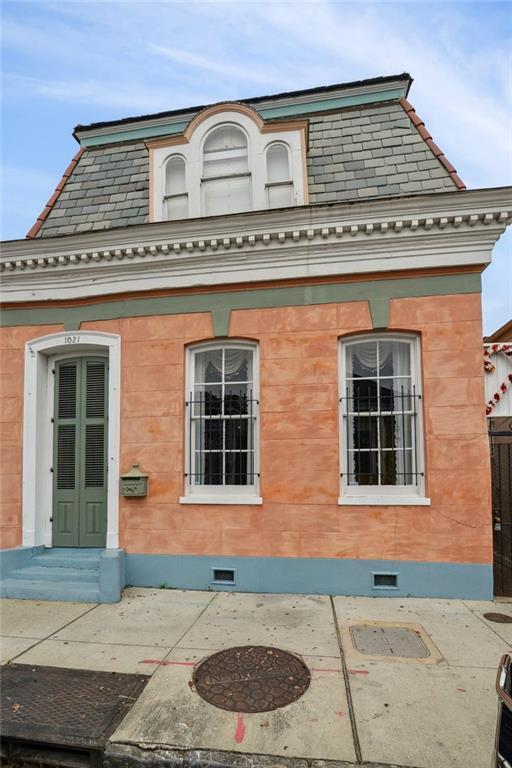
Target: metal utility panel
(398, 642)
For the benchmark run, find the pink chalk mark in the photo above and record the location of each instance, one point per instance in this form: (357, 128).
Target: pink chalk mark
(340, 714)
(240, 728)
(358, 672)
(462, 690)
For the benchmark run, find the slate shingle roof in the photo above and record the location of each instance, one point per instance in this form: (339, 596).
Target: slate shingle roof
(353, 154)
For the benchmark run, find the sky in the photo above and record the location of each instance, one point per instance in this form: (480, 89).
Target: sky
(68, 62)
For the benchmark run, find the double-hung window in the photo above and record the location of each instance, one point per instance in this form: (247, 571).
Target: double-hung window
(222, 425)
(381, 423)
(226, 178)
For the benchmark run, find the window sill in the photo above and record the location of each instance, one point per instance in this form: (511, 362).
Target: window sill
(381, 501)
(214, 499)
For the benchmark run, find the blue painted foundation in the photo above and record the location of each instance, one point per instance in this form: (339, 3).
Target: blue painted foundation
(320, 576)
(69, 574)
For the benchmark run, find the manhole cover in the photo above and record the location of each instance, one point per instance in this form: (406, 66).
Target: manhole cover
(500, 618)
(251, 678)
(388, 641)
(72, 707)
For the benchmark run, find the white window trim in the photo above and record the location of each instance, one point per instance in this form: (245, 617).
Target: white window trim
(383, 495)
(257, 144)
(221, 494)
(40, 354)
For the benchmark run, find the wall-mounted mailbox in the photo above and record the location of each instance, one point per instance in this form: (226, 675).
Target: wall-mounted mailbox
(134, 482)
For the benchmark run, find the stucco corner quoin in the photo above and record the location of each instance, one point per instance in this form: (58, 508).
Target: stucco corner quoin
(40, 355)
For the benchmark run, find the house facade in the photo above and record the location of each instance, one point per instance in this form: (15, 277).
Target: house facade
(242, 349)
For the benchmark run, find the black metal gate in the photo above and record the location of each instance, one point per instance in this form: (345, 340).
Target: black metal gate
(500, 435)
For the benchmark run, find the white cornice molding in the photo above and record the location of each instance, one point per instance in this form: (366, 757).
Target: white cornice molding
(447, 229)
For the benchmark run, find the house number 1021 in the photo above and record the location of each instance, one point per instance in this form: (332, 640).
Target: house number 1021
(71, 339)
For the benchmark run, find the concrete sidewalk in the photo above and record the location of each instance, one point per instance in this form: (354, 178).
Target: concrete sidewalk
(433, 713)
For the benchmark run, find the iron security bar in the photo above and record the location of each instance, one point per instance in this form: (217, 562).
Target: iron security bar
(381, 434)
(221, 440)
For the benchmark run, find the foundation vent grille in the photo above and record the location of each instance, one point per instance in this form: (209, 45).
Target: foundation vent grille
(385, 581)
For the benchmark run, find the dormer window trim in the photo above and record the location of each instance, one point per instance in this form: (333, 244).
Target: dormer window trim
(260, 137)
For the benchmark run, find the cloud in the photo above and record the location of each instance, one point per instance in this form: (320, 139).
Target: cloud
(127, 96)
(255, 74)
(29, 189)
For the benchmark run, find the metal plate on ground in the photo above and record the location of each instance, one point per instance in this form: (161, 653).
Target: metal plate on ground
(499, 618)
(251, 678)
(398, 642)
(69, 707)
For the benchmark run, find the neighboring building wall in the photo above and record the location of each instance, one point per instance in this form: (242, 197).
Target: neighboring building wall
(299, 451)
(12, 361)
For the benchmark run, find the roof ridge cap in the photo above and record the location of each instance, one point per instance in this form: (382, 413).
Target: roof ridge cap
(427, 138)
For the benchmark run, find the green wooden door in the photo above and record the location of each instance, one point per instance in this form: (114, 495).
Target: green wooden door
(80, 453)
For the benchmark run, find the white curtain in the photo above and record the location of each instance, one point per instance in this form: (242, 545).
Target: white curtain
(216, 365)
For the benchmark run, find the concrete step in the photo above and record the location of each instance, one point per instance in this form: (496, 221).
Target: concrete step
(74, 591)
(61, 575)
(64, 560)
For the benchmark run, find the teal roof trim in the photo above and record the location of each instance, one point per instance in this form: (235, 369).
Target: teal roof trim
(171, 129)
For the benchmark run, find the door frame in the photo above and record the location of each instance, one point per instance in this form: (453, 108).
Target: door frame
(38, 428)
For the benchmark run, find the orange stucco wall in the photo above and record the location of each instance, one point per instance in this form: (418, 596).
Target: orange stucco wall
(12, 354)
(298, 437)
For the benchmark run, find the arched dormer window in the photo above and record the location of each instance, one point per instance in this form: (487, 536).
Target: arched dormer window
(175, 196)
(226, 179)
(227, 161)
(279, 184)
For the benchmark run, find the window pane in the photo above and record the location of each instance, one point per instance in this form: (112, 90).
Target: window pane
(363, 395)
(362, 360)
(362, 432)
(212, 463)
(225, 152)
(176, 208)
(207, 399)
(208, 366)
(236, 434)
(208, 434)
(278, 163)
(226, 137)
(236, 468)
(394, 358)
(395, 431)
(395, 395)
(280, 196)
(396, 468)
(175, 182)
(363, 468)
(238, 365)
(229, 195)
(236, 400)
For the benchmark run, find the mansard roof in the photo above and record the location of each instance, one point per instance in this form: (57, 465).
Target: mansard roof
(365, 142)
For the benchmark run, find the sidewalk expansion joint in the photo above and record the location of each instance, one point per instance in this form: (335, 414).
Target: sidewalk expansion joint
(48, 637)
(350, 703)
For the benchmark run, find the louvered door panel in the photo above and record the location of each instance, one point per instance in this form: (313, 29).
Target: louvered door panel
(80, 453)
(66, 495)
(93, 515)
